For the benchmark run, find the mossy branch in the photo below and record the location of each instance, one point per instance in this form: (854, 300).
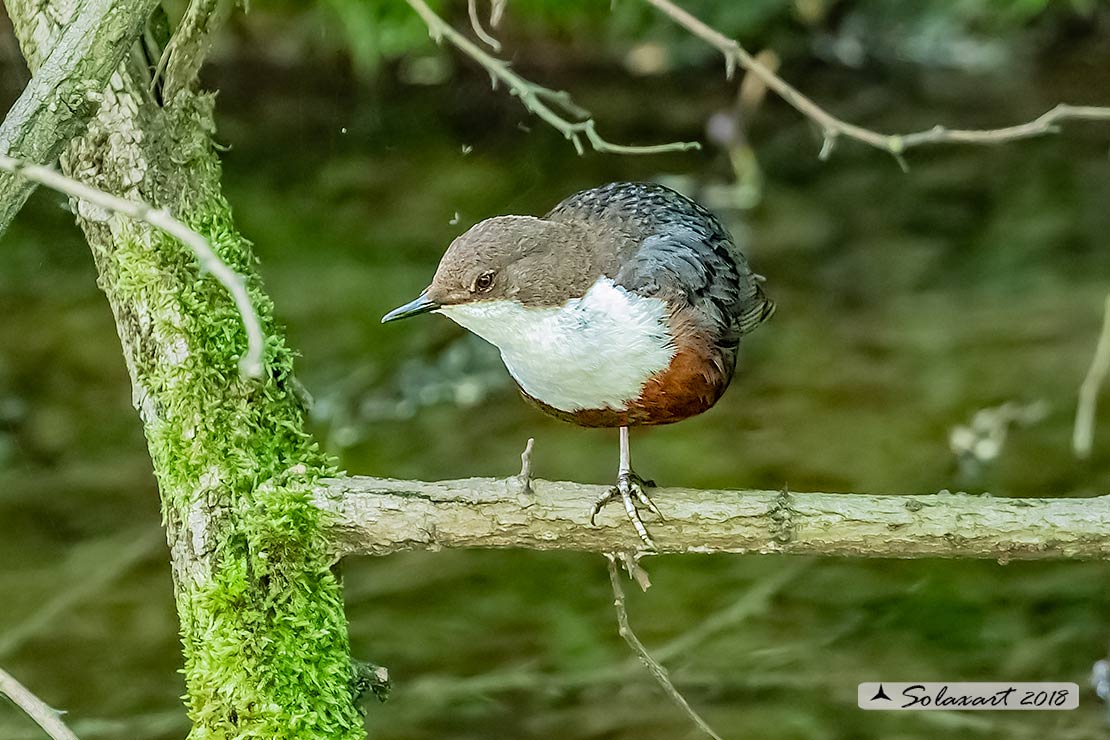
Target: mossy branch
(263, 631)
(376, 516)
(65, 90)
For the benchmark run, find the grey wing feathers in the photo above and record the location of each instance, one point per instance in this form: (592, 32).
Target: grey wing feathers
(676, 250)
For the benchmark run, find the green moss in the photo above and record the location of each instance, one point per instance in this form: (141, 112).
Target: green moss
(263, 628)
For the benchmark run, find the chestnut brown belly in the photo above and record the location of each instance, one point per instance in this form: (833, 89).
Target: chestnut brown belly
(691, 384)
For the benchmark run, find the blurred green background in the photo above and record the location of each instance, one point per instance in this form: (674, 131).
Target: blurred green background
(908, 301)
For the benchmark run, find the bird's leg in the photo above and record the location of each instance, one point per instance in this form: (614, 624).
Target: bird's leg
(630, 490)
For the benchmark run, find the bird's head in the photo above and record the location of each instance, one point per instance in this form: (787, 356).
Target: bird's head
(527, 261)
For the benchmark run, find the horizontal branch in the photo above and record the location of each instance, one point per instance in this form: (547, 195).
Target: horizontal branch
(378, 516)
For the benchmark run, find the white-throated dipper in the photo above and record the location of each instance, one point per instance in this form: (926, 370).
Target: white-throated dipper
(623, 306)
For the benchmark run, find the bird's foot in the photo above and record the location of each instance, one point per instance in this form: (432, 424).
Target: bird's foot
(630, 490)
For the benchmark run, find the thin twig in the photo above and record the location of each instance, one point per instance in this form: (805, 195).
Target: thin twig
(476, 24)
(752, 602)
(532, 96)
(526, 460)
(832, 127)
(525, 476)
(48, 718)
(496, 10)
(656, 670)
(1084, 432)
(635, 571)
(251, 363)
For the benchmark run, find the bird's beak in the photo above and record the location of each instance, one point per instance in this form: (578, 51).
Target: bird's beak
(422, 304)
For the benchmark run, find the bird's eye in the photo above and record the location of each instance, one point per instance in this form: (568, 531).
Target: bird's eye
(483, 282)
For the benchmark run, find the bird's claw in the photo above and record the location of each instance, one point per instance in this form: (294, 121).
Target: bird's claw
(630, 490)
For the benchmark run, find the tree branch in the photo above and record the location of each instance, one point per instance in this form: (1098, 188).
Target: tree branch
(476, 25)
(251, 362)
(65, 91)
(263, 631)
(184, 54)
(536, 97)
(752, 601)
(1084, 430)
(47, 718)
(832, 127)
(657, 671)
(377, 516)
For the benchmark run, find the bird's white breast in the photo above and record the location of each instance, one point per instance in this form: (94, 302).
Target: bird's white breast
(592, 352)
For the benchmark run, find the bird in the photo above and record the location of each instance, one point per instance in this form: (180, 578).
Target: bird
(623, 306)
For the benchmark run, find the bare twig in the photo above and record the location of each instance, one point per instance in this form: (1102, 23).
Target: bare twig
(525, 476)
(657, 671)
(376, 516)
(635, 571)
(476, 24)
(496, 10)
(251, 363)
(832, 127)
(48, 718)
(752, 602)
(533, 96)
(526, 460)
(172, 723)
(1083, 435)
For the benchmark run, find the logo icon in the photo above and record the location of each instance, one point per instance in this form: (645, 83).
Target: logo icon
(880, 694)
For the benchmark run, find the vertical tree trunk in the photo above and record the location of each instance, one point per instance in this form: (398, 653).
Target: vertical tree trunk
(262, 624)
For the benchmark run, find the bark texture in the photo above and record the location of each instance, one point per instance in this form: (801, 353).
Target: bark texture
(262, 625)
(70, 75)
(377, 516)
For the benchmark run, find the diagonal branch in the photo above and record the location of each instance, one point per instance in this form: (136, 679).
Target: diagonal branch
(657, 671)
(536, 97)
(377, 516)
(251, 362)
(832, 127)
(755, 600)
(65, 91)
(49, 719)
